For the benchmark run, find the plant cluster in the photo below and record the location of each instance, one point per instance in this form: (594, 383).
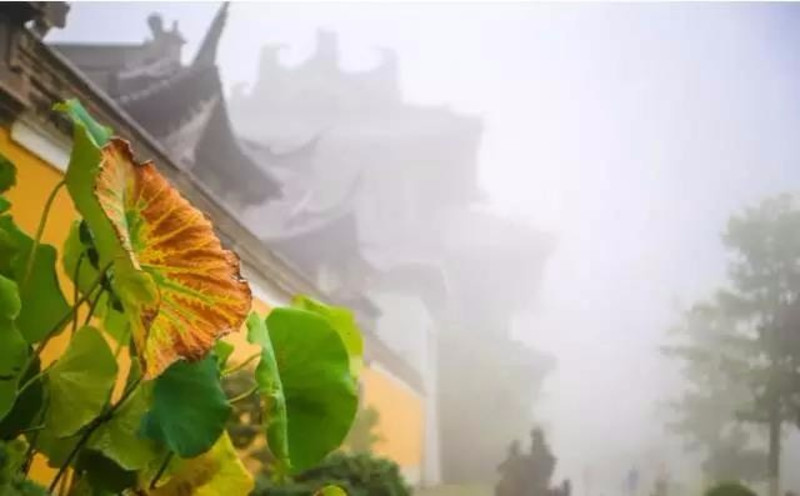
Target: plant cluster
(359, 474)
(730, 489)
(153, 287)
(740, 350)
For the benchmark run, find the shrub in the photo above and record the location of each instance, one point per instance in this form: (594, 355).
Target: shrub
(358, 474)
(730, 489)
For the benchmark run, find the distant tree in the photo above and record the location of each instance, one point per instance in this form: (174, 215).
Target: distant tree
(730, 489)
(706, 414)
(756, 343)
(530, 474)
(766, 276)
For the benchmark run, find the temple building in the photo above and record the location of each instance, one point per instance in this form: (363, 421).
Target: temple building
(183, 107)
(403, 178)
(176, 115)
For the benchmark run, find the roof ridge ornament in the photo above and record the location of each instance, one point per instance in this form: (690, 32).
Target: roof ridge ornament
(207, 54)
(160, 35)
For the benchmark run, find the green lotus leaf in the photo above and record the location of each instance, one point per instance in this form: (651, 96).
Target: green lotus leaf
(13, 347)
(116, 324)
(189, 408)
(222, 351)
(344, 322)
(8, 174)
(218, 471)
(26, 407)
(12, 457)
(43, 304)
(119, 439)
(270, 390)
(101, 476)
(9, 246)
(80, 382)
(97, 133)
(12, 482)
(23, 487)
(55, 448)
(331, 491)
(313, 379)
(180, 289)
(74, 250)
(10, 304)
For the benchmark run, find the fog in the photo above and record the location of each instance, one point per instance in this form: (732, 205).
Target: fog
(626, 134)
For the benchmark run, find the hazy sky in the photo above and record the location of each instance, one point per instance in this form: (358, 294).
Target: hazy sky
(629, 131)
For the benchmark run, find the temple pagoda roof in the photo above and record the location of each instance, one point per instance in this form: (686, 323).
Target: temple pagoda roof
(183, 106)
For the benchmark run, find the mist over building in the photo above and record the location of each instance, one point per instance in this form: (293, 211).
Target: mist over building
(407, 175)
(376, 203)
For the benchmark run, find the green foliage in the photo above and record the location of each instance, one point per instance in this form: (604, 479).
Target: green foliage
(119, 438)
(8, 174)
(101, 476)
(77, 250)
(331, 491)
(713, 355)
(245, 423)
(12, 456)
(306, 378)
(218, 471)
(10, 303)
(344, 322)
(270, 391)
(222, 351)
(189, 408)
(45, 306)
(43, 303)
(56, 449)
(12, 483)
(320, 393)
(97, 133)
(13, 348)
(357, 474)
(8, 178)
(80, 382)
(106, 246)
(23, 487)
(730, 489)
(741, 351)
(164, 434)
(28, 405)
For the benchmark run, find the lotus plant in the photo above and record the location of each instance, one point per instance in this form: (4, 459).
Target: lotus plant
(134, 403)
